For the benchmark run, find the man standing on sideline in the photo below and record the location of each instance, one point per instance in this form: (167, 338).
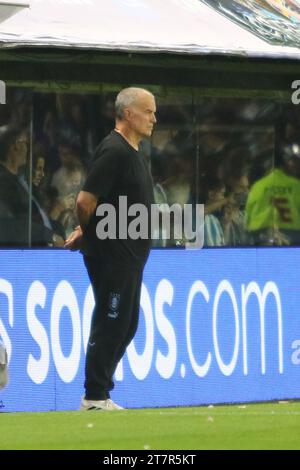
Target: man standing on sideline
(115, 266)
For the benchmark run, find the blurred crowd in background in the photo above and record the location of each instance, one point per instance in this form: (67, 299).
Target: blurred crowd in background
(238, 157)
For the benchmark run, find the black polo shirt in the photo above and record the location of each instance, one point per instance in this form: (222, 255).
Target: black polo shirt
(119, 170)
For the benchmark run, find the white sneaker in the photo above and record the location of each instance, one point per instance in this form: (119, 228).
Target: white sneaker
(3, 366)
(3, 375)
(107, 405)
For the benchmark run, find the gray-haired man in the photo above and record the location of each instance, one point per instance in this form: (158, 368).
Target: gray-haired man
(115, 266)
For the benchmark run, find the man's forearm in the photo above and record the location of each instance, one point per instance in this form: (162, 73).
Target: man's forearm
(83, 217)
(85, 207)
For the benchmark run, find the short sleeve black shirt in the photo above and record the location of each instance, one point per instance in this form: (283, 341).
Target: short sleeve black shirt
(118, 170)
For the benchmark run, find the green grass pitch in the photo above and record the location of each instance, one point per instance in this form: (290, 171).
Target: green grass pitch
(255, 426)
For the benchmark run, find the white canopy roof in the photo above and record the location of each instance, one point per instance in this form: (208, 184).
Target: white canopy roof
(9, 8)
(177, 26)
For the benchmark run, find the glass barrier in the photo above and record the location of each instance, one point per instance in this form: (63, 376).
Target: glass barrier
(239, 157)
(173, 162)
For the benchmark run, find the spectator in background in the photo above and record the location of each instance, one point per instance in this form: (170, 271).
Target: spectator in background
(215, 201)
(38, 173)
(68, 220)
(74, 123)
(70, 159)
(233, 220)
(62, 209)
(57, 204)
(273, 205)
(13, 197)
(67, 181)
(54, 234)
(177, 187)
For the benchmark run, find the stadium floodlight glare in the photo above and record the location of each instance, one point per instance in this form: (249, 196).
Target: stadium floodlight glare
(9, 8)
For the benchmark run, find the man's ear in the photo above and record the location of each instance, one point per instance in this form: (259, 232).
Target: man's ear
(127, 114)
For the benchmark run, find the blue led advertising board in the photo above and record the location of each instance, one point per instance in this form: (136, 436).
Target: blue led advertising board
(216, 326)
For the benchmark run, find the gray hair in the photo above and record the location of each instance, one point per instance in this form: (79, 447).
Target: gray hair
(126, 98)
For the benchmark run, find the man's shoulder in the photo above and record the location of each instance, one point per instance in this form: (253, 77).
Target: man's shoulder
(112, 141)
(265, 181)
(111, 146)
(287, 179)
